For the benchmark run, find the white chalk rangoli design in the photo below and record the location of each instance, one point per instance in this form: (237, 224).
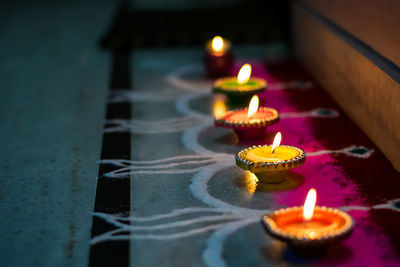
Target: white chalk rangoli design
(219, 217)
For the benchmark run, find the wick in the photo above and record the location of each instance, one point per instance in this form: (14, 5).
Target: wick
(273, 150)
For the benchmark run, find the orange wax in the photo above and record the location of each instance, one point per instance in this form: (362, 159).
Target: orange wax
(241, 115)
(311, 228)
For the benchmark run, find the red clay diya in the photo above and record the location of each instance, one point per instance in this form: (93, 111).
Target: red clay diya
(218, 58)
(270, 163)
(249, 123)
(242, 87)
(309, 226)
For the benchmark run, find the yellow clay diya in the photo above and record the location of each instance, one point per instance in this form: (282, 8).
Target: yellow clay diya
(308, 226)
(270, 163)
(242, 87)
(249, 123)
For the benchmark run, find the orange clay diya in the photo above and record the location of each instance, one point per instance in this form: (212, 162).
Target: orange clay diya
(308, 227)
(218, 58)
(270, 163)
(241, 88)
(249, 123)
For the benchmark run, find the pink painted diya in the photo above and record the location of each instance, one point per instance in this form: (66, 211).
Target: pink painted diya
(218, 58)
(249, 123)
(308, 227)
(242, 87)
(270, 163)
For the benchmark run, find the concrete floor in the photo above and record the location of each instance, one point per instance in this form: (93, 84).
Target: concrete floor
(53, 81)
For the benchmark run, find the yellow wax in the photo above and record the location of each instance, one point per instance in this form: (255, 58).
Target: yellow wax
(264, 154)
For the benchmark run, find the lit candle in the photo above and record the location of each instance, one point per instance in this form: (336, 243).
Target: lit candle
(218, 58)
(270, 163)
(251, 122)
(219, 106)
(242, 87)
(309, 225)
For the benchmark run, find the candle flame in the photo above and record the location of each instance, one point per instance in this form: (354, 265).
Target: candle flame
(277, 141)
(217, 44)
(251, 182)
(244, 74)
(309, 204)
(253, 106)
(219, 107)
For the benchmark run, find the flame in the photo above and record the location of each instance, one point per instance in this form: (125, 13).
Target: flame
(217, 44)
(251, 182)
(277, 141)
(309, 204)
(244, 74)
(219, 107)
(253, 106)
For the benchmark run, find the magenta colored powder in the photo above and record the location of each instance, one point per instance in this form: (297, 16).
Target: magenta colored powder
(368, 245)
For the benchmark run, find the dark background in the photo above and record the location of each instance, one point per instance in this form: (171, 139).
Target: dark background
(178, 23)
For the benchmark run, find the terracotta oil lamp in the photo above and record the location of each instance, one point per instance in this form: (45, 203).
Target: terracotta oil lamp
(240, 89)
(308, 227)
(249, 123)
(218, 58)
(270, 163)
